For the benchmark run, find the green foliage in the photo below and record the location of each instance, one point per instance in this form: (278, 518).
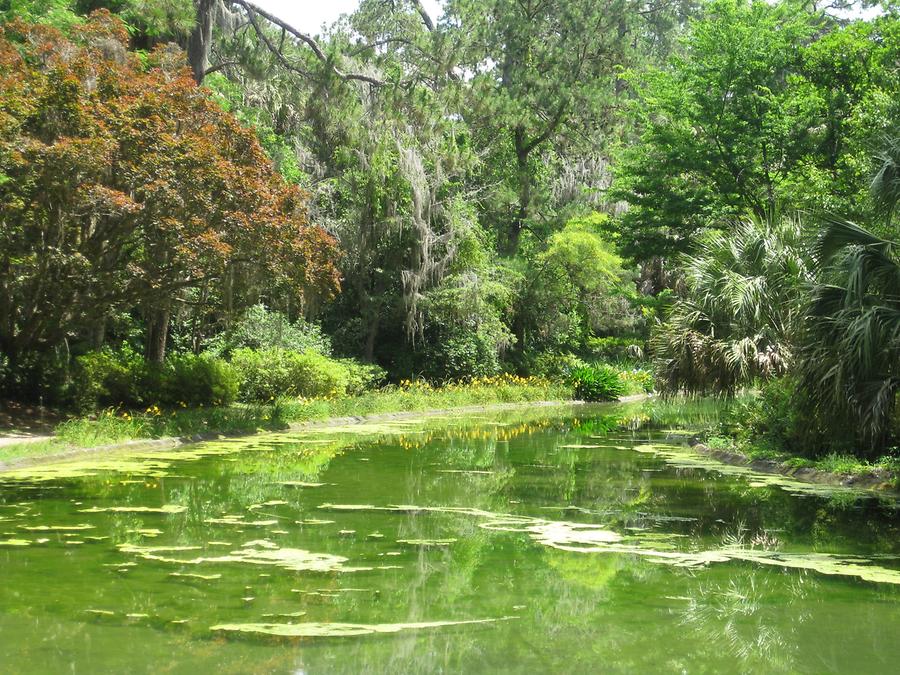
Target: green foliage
(191, 380)
(362, 377)
(766, 104)
(722, 126)
(744, 301)
(60, 14)
(637, 380)
(123, 378)
(459, 356)
(574, 289)
(851, 357)
(160, 18)
(109, 377)
(465, 331)
(555, 366)
(267, 374)
(616, 348)
(262, 328)
(36, 376)
(541, 73)
(600, 383)
(775, 416)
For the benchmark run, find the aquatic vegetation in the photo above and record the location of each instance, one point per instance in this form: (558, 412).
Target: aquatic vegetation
(167, 509)
(56, 528)
(683, 457)
(427, 543)
(311, 630)
(259, 552)
(655, 547)
(239, 520)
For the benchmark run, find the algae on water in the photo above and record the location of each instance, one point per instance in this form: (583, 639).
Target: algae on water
(324, 630)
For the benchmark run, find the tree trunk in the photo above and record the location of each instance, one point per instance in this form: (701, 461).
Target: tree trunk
(98, 334)
(200, 40)
(523, 176)
(371, 337)
(157, 333)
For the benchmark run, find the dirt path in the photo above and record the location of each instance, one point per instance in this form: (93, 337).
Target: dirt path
(13, 438)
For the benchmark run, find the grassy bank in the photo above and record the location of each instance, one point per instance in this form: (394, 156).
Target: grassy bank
(115, 426)
(886, 467)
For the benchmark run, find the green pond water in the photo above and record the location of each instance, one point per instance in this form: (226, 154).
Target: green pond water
(553, 540)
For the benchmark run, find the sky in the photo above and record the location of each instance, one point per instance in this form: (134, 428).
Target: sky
(310, 15)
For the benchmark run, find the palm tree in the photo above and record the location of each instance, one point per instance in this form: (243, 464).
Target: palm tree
(850, 363)
(886, 184)
(743, 302)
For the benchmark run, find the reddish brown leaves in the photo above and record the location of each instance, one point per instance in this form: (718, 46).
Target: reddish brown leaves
(136, 179)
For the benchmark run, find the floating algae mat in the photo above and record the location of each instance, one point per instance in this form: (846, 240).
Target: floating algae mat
(563, 540)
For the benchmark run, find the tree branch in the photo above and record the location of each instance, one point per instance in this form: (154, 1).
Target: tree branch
(253, 10)
(426, 18)
(216, 68)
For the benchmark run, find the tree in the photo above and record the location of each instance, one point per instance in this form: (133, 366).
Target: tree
(540, 73)
(576, 288)
(850, 365)
(723, 127)
(123, 184)
(741, 311)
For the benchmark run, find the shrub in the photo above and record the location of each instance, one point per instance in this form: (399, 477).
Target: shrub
(362, 377)
(637, 380)
(123, 378)
(110, 377)
(782, 417)
(272, 373)
(263, 328)
(556, 366)
(36, 376)
(461, 355)
(600, 383)
(616, 348)
(190, 380)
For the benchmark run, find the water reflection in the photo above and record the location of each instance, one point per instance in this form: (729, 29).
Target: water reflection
(595, 553)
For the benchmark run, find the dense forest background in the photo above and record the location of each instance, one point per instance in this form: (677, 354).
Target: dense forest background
(521, 186)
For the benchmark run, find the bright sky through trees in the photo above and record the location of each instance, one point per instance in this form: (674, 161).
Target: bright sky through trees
(310, 15)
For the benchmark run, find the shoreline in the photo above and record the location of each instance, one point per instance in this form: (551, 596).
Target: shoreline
(170, 442)
(879, 481)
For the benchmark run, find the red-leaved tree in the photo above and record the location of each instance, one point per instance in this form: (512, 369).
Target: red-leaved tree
(123, 184)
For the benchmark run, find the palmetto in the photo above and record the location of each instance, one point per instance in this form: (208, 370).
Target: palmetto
(744, 300)
(851, 359)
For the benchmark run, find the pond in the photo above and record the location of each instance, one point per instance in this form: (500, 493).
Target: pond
(571, 539)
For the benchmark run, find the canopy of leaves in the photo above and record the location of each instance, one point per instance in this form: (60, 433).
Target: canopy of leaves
(124, 184)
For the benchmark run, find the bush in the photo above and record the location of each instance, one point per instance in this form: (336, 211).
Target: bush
(273, 373)
(110, 377)
(616, 348)
(190, 380)
(123, 378)
(555, 366)
(262, 328)
(36, 377)
(362, 377)
(637, 380)
(460, 356)
(782, 417)
(601, 383)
